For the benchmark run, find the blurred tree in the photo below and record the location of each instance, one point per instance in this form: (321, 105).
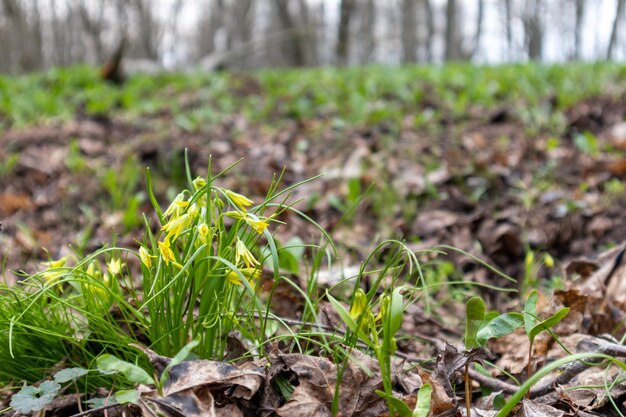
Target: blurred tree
(343, 34)
(578, 27)
(409, 31)
(533, 29)
(619, 16)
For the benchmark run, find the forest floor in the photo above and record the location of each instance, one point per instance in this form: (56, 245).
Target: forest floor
(522, 168)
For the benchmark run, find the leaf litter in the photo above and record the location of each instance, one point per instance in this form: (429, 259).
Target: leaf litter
(493, 193)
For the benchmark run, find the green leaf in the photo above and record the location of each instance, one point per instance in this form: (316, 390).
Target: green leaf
(69, 374)
(110, 364)
(396, 403)
(396, 311)
(422, 408)
(181, 356)
(127, 396)
(530, 312)
(30, 398)
(500, 326)
(352, 325)
(474, 316)
(547, 323)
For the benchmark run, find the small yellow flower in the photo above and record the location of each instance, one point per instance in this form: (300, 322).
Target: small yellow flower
(177, 207)
(359, 305)
(198, 183)
(253, 221)
(257, 224)
(242, 252)
(178, 225)
(54, 271)
(249, 273)
(166, 252)
(114, 266)
(240, 201)
(145, 257)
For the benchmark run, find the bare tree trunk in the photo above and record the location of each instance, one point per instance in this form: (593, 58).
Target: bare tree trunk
(93, 27)
(430, 27)
(580, 13)
(533, 29)
(367, 31)
(409, 31)
(479, 26)
(452, 46)
(294, 44)
(343, 36)
(616, 24)
(149, 29)
(508, 12)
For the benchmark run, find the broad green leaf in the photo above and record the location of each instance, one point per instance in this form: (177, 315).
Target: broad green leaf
(548, 323)
(396, 311)
(422, 408)
(530, 312)
(352, 325)
(474, 316)
(30, 398)
(127, 396)
(500, 326)
(108, 363)
(399, 405)
(69, 374)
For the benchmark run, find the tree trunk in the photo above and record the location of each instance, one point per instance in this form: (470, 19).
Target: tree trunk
(533, 29)
(409, 31)
(580, 13)
(616, 24)
(452, 51)
(294, 46)
(367, 31)
(508, 13)
(430, 26)
(479, 26)
(343, 33)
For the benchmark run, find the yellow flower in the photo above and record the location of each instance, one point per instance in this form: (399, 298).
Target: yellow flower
(114, 266)
(256, 223)
(249, 273)
(179, 224)
(166, 252)
(252, 220)
(240, 201)
(198, 183)
(242, 252)
(177, 207)
(145, 257)
(54, 271)
(359, 305)
(203, 231)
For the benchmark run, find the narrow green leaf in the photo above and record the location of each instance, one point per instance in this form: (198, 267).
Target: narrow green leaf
(474, 316)
(396, 403)
(422, 408)
(530, 312)
(181, 356)
(108, 363)
(548, 323)
(500, 326)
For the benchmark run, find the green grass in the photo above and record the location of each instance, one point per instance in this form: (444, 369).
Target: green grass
(371, 95)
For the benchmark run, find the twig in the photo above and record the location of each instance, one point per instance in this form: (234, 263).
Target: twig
(98, 409)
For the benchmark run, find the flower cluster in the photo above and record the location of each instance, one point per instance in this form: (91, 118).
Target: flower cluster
(198, 218)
